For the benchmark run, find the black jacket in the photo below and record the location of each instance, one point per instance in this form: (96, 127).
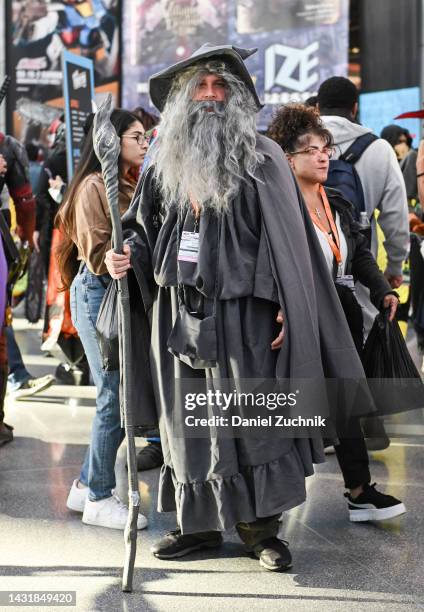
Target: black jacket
(360, 261)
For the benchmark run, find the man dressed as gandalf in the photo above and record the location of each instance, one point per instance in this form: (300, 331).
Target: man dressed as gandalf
(239, 291)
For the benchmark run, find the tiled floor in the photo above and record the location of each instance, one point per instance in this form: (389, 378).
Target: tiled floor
(337, 565)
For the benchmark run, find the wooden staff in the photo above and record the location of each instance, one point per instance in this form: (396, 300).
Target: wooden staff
(107, 148)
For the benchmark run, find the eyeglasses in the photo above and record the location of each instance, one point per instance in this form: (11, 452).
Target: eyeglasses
(315, 151)
(140, 138)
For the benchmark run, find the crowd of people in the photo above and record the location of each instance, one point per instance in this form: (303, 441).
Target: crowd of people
(249, 256)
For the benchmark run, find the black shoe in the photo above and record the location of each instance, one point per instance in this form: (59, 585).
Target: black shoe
(375, 434)
(273, 554)
(150, 457)
(75, 375)
(371, 505)
(174, 544)
(6, 434)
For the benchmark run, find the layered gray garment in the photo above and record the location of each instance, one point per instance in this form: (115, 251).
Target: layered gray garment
(268, 257)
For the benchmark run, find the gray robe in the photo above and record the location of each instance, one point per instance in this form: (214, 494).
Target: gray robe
(266, 260)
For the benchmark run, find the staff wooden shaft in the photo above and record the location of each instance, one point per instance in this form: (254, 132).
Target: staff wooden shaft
(107, 147)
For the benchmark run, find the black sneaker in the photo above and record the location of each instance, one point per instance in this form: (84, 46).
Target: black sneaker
(371, 505)
(150, 457)
(273, 554)
(175, 544)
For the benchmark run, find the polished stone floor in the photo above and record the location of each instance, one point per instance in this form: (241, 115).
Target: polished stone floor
(338, 565)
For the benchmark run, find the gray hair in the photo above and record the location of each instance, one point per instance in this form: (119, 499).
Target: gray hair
(205, 155)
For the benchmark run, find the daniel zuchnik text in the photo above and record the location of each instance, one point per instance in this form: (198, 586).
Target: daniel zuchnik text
(272, 420)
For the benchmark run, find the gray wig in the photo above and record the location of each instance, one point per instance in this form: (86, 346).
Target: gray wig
(202, 155)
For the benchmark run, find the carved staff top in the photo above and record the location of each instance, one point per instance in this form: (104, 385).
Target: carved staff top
(107, 147)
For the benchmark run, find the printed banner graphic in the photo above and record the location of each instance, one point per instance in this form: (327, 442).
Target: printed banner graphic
(78, 91)
(38, 33)
(300, 42)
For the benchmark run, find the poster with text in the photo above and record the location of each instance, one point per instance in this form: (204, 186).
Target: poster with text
(300, 43)
(38, 34)
(78, 91)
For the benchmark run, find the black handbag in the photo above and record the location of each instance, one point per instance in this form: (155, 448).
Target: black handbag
(392, 376)
(107, 328)
(193, 339)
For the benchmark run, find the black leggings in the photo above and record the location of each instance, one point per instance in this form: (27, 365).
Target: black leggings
(352, 456)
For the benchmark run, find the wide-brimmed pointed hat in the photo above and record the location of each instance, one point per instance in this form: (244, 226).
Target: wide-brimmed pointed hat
(160, 84)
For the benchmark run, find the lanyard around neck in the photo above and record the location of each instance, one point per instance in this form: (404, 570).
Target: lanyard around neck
(333, 238)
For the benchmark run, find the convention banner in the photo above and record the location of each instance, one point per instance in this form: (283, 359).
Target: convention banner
(300, 42)
(78, 91)
(37, 34)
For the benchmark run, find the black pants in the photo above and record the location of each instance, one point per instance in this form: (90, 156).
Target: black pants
(252, 534)
(352, 456)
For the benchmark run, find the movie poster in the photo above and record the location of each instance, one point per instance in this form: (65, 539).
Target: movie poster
(40, 30)
(300, 42)
(157, 33)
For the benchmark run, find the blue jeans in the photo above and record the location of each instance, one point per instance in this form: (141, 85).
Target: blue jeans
(18, 374)
(98, 470)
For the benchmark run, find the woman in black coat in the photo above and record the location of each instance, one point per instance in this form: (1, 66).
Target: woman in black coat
(309, 147)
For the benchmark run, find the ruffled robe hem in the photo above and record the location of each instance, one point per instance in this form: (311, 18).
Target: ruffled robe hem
(222, 502)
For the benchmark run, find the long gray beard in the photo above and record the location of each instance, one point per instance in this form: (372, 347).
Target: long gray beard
(200, 160)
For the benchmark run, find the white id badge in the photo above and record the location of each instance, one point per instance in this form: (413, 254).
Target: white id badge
(189, 247)
(347, 281)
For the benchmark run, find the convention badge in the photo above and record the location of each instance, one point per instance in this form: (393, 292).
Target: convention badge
(347, 281)
(189, 247)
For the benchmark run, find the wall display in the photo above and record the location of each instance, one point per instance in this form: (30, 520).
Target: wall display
(380, 108)
(39, 32)
(300, 42)
(78, 89)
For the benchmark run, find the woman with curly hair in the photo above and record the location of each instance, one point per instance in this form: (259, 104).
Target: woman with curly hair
(308, 146)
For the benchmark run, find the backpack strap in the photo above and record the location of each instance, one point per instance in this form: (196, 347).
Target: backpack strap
(354, 152)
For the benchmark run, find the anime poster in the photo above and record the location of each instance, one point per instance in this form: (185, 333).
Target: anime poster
(300, 42)
(40, 30)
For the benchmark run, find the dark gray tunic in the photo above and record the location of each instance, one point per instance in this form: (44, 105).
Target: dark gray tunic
(267, 258)
(217, 482)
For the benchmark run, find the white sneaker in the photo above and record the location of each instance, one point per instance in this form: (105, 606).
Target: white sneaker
(77, 497)
(109, 512)
(33, 386)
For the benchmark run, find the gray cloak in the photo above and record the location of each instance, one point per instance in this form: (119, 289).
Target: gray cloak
(268, 257)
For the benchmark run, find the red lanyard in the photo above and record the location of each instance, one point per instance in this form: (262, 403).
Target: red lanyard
(333, 242)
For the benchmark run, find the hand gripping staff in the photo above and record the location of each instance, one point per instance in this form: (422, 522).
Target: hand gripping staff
(107, 148)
